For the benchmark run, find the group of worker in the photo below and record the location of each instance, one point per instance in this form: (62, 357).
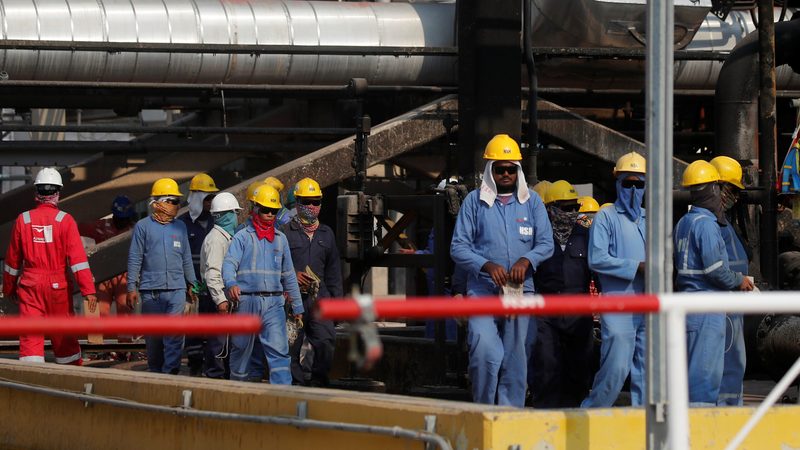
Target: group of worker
(511, 239)
(202, 261)
(508, 239)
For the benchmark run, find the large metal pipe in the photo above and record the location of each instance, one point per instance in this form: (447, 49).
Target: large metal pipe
(736, 100)
(245, 23)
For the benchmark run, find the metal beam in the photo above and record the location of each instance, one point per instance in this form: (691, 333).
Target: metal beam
(328, 165)
(83, 203)
(574, 131)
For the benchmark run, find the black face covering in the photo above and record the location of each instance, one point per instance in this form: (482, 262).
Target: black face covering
(708, 196)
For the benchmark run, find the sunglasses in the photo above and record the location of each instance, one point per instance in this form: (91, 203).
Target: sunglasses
(310, 202)
(500, 170)
(638, 184)
(569, 207)
(266, 210)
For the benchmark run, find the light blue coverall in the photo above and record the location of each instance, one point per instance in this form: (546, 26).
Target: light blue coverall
(730, 390)
(262, 270)
(159, 267)
(616, 247)
(501, 234)
(701, 264)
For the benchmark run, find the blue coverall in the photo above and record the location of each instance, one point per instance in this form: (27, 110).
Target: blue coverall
(159, 267)
(262, 270)
(322, 256)
(701, 264)
(502, 234)
(730, 390)
(616, 247)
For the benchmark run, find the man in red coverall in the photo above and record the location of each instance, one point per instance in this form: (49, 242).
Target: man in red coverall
(122, 219)
(45, 244)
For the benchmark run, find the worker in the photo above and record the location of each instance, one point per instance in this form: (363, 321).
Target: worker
(587, 211)
(502, 234)
(44, 244)
(159, 271)
(319, 274)
(199, 223)
(701, 264)
(730, 389)
(114, 290)
(257, 270)
(617, 255)
(224, 208)
(541, 188)
(564, 344)
(286, 213)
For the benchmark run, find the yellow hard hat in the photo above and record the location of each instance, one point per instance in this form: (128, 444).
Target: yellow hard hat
(730, 171)
(502, 147)
(203, 182)
(268, 196)
(165, 186)
(541, 188)
(251, 190)
(274, 182)
(604, 205)
(559, 191)
(588, 204)
(307, 188)
(630, 162)
(699, 172)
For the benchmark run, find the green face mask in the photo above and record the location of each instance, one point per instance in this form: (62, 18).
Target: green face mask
(227, 221)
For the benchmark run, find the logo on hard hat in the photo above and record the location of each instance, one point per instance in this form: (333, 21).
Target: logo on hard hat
(506, 150)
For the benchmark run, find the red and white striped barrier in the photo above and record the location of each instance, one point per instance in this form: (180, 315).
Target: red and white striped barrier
(673, 306)
(447, 307)
(145, 325)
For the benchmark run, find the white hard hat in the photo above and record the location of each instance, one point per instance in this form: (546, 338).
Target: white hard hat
(224, 202)
(48, 175)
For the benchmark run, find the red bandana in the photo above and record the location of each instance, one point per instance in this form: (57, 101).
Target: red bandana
(264, 228)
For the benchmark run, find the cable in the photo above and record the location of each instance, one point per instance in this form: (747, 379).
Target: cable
(398, 432)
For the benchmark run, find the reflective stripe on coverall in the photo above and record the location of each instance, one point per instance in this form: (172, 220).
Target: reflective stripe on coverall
(259, 268)
(44, 244)
(701, 264)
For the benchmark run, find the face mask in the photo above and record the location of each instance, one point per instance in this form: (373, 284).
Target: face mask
(226, 221)
(308, 213)
(630, 199)
(164, 212)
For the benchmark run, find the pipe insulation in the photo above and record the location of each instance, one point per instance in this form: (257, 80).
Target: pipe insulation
(335, 24)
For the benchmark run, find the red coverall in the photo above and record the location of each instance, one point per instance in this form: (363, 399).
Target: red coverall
(44, 244)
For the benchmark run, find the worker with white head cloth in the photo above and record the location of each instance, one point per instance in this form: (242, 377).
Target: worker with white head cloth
(502, 234)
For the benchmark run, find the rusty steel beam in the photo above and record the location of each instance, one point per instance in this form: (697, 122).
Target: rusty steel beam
(577, 132)
(328, 165)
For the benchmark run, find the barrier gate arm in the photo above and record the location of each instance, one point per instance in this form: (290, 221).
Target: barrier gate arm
(675, 306)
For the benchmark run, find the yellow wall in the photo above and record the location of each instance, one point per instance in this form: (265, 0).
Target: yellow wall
(37, 421)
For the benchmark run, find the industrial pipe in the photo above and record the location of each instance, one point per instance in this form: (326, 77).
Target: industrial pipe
(737, 88)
